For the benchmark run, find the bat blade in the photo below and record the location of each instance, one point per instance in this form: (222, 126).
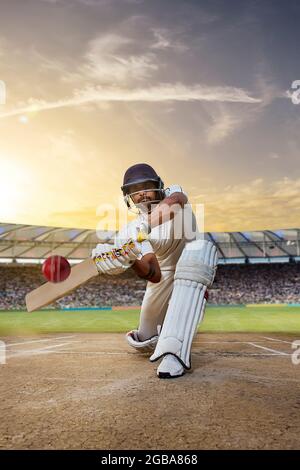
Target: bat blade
(49, 292)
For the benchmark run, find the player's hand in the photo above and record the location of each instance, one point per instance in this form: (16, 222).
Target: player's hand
(115, 259)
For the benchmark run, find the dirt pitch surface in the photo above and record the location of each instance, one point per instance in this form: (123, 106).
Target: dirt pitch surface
(92, 391)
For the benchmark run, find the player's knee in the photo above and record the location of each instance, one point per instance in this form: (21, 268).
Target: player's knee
(198, 262)
(156, 278)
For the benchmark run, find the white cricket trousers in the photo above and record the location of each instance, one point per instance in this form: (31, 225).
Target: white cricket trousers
(155, 305)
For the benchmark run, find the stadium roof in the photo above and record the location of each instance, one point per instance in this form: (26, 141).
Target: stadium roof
(28, 243)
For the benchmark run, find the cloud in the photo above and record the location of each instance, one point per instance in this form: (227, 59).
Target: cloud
(106, 2)
(274, 156)
(109, 59)
(161, 93)
(131, 54)
(224, 123)
(81, 2)
(225, 120)
(255, 205)
(163, 39)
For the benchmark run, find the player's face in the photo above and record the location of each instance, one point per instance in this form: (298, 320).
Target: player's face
(141, 192)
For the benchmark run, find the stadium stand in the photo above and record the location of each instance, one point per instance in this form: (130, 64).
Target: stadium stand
(234, 284)
(17, 281)
(30, 243)
(254, 267)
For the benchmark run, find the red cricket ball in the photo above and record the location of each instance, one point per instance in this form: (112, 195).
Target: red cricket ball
(56, 268)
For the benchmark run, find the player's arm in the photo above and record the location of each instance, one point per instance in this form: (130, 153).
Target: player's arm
(176, 198)
(167, 209)
(148, 268)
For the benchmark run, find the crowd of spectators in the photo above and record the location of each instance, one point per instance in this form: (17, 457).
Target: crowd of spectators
(256, 283)
(234, 284)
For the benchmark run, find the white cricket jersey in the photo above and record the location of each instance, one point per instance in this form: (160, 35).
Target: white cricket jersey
(168, 239)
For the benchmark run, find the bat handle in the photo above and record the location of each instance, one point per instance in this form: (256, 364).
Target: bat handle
(143, 231)
(141, 236)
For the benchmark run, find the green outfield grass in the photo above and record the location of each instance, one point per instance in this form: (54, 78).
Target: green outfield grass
(217, 319)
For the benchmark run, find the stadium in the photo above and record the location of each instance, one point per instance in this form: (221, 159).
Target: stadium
(118, 331)
(259, 267)
(250, 324)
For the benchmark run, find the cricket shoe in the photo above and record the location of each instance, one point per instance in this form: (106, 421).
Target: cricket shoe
(170, 368)
(143, 346)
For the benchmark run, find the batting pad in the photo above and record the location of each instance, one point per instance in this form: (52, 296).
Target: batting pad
(195, 271)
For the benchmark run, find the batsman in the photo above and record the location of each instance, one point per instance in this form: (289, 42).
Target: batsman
(164, 246)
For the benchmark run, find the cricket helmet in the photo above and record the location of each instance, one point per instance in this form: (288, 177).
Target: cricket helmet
(141, 173)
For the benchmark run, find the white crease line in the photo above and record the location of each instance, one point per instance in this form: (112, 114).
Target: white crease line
(67, 351)
(280, 340)
(271, 350)
(32, 352)
(224, 342)
(39, 340)
(197, 352)
(199, 342)
(234, 355)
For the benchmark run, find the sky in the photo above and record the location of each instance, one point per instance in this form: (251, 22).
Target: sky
(200, 90)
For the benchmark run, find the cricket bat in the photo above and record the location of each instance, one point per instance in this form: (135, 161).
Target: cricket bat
(50, 291)
(79, 275)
